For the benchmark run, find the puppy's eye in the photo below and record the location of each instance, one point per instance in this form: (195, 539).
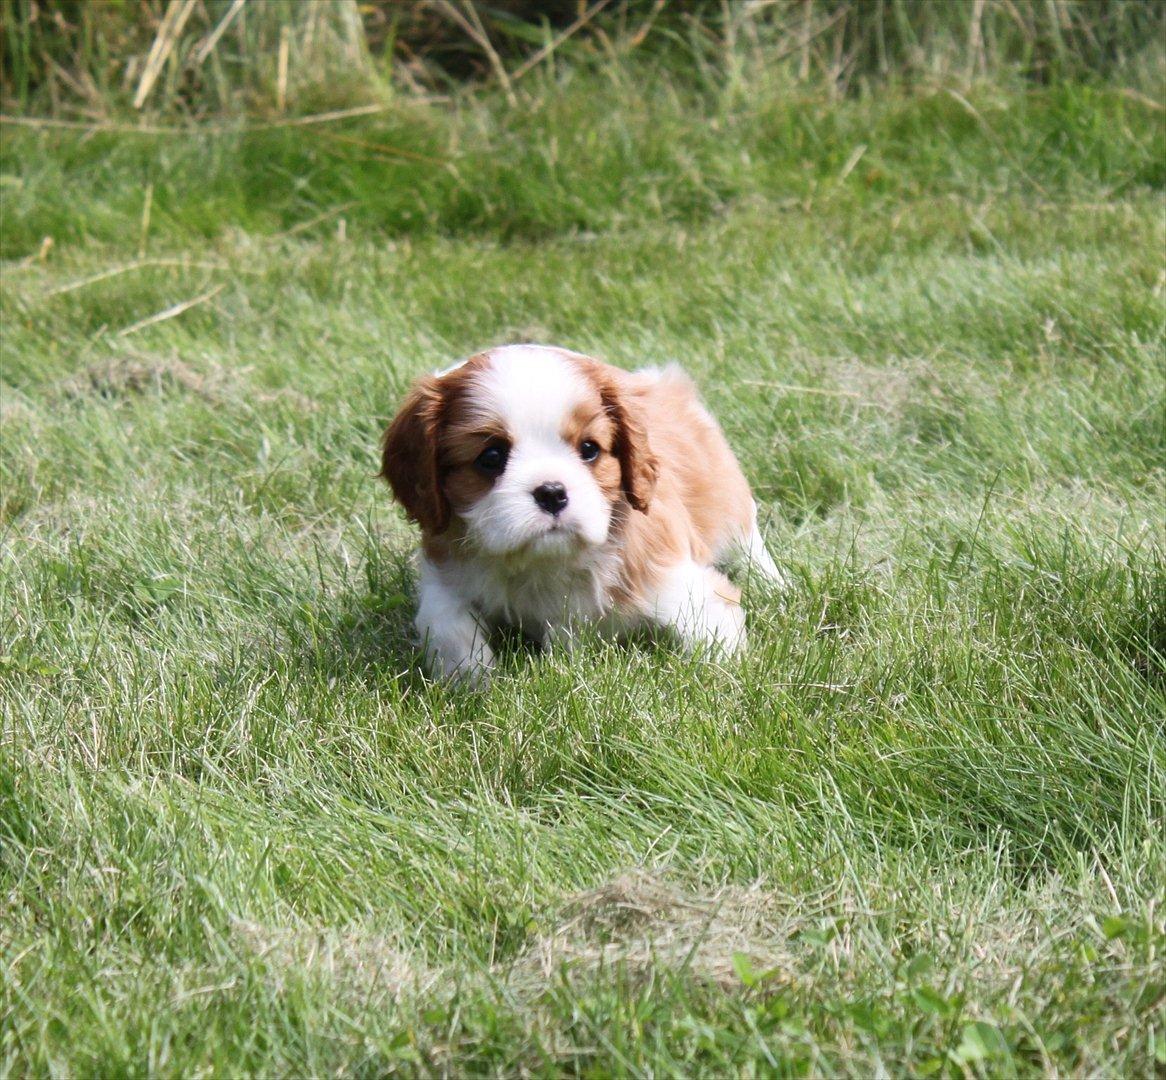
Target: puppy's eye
(589, 449)
(492, 460)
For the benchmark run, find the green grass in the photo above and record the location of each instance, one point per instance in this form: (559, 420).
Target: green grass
(918, 828)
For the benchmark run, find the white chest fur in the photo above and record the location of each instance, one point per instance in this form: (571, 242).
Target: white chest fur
(535, 595)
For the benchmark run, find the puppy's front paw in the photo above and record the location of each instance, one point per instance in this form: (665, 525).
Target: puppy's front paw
(723, 628)
(459, 654)
(562, 636)
(472, 672)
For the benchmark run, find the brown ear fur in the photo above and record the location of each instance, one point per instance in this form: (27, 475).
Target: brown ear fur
(637, 464)
(409, 457)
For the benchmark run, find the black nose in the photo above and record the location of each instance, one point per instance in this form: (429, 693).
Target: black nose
(550, 497)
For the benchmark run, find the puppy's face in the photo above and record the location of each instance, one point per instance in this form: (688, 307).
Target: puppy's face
(528, 451)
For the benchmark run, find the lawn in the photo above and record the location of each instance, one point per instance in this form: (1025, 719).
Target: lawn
(920, 828)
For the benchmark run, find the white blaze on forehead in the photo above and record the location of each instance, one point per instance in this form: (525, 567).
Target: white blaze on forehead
(531, 388)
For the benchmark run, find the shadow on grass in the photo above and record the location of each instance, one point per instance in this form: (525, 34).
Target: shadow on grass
(362, 633)
(369, 634)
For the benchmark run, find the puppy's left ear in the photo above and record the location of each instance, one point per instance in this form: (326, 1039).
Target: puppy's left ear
(409, 457)
(637, 463)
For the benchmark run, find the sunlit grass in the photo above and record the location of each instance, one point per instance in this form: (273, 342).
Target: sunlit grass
(919, 828)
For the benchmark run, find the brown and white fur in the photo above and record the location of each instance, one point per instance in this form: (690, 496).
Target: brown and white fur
(616, 500)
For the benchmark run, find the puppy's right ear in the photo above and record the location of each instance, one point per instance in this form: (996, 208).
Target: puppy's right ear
(409, 457)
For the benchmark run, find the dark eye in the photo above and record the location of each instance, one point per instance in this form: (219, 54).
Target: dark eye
(492, 460)
(589, 449)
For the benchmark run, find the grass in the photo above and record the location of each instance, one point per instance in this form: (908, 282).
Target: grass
(280, 57)
(917, 829)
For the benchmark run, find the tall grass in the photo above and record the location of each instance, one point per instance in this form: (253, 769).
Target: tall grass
(212, 57)
(609, 153)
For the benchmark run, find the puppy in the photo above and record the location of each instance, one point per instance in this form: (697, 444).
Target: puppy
(553, 490)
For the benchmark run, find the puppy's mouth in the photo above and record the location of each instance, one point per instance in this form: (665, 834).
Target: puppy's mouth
(557, 538)
(542, 538)
(557, 535)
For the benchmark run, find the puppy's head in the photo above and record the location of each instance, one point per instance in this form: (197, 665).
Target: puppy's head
(523, 450)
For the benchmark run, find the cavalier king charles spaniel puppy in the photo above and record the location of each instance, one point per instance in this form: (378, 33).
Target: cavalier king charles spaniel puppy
(554, 490)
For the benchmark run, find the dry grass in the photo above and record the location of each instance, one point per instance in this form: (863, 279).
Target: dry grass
(221, 56)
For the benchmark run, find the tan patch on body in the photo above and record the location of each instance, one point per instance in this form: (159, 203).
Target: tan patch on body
(700, 501)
